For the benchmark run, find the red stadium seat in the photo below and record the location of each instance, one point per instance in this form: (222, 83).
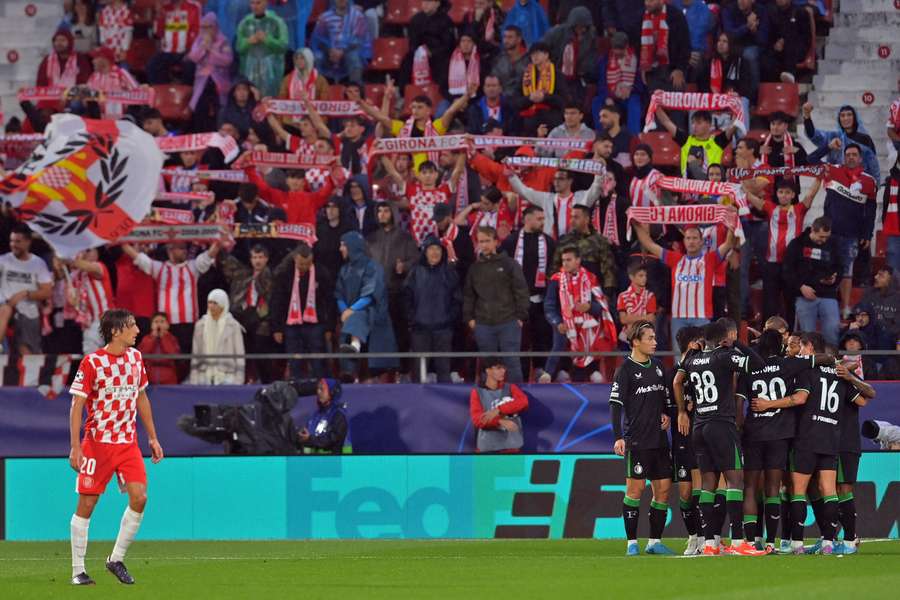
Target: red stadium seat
(388, 53)
(666, 153)
(319, 6)
(335, 92)
(374, 93)
(775, 97)
(459, 8)
(759, 135)
(401, 12)
(142, 11)
(172, 101)
(411, 91)
(139, 53)
(809, 61)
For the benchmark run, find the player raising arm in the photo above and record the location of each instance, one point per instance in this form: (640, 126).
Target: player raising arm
(111, 384)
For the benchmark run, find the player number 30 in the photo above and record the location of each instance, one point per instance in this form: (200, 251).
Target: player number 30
(705, 384)
(88, 466)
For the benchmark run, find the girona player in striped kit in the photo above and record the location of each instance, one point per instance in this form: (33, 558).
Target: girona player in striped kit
(110, 384)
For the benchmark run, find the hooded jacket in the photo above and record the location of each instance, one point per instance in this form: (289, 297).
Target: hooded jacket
(327, 427)
(240, 117)
(809, 263)
(858, 135)
(387, 247)
(212, 62)
(530, 18)
(84, 63)
(321, 83)
(561, 35)
(231, 341)
(432, 293)
(884, 307)
(369, 220)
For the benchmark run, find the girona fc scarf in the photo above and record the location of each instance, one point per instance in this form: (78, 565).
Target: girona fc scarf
(297, 85)
(62, 77)
(716, 75)
(296, 314)
(695, 101)
(540, 275)
(421, 69)
(691, 214)
(581, 165)
(584, 331)
(610, 222)
(654, 40)
(200, 141)
(891, 216)
(407, 130)
(788, 146)
(462, 74)
(87, 184)
(447, 242)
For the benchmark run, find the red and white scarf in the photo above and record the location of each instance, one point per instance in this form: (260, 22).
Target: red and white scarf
(462, 74)
(62, 77)
(447, 242)
(562, 209)
(297, 85)
(421, 69)
(690, 214)
(610, 222)
(695, 101)
(820, 171)
(253, 298)
(788, 147)
(199, 141)
(654, 40)
(621, 72)
(296, 314)
(540, 274)
(569, 66)
(407, 130)
(892, 210)
(581, 165)
(716, 75)
(585, 333)
(490, 29)
(636, 301)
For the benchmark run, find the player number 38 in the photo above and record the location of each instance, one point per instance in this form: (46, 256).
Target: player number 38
(705, 384)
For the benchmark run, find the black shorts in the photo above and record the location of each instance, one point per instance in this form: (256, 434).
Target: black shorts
(649, 464)
(771, 454)
(808, 462)
(683, 458)
(848, 467)
(717, 446)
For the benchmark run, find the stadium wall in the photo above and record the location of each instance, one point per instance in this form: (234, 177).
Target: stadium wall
(390, 496)
(384, 419)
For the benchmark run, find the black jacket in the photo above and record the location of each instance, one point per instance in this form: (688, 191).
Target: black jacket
(495, 291)
(432, 293)
(806, 263)
(326, 307)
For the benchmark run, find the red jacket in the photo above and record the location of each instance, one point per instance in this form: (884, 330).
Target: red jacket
(160, 371)
(518, 404)
(301, 207)
(135, 290)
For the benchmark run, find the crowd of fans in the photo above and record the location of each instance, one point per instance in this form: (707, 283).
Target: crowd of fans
(457, 251)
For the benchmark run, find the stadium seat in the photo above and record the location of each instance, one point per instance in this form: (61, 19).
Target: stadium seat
(139, 54)
(666, 153)
(374, 93)
(388, 53)
(335, 92)
(401, 12)
(880, 243)
(142, 11)
(411, 91)
(809, 61)
(459, 8)
(172, 101)
(759, 135)
(775, 97)
(319, 6)
(602, 46)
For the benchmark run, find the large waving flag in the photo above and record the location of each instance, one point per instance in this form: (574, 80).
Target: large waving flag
(87, 184)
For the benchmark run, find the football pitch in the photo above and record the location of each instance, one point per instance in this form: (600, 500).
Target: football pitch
(558, 569)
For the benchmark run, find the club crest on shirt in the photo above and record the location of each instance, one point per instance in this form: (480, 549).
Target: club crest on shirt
(659, 372)
(79, 376)
(638, 469)
(637, 375)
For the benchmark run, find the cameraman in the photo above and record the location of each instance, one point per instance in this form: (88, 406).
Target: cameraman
(326, 428)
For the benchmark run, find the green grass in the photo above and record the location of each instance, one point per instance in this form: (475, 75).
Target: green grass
(497, 569)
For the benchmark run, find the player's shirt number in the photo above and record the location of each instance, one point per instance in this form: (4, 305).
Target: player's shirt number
(705, 384)
(88, 466)
(830, 399)
(775, 389)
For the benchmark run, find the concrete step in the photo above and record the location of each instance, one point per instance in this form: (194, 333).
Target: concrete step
(26, 25)
(18, 71)
(874, 33)
(868, 20)
(880, 86)
(45, 8)
(878, 68)
(865, 6)
(836, 49)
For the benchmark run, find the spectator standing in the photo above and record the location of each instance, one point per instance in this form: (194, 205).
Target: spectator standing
(883, 303)
(433, 303)
(572, 128)
(495, 301)
(618, 84)
(890, 215)
(25, 281)
(116, 28)
(725, 71)
(212, 57)
(250, 298)
(159, 340)
(485, 21)
(342, 42)
(134, 289)
(700, 148)
(176, 284)
(362, 302)
(665, 47)
(304, 79)
(531, 19)
(261, 42)
(850, 130)
(217, 332)
(693, 275)
(533, 249)
(357, 202)
(595, 253)
(893, 124)
(84, 26)
(700, 22)
(788, 39)
(432, 37)
(636, 303)
(490, 211)
(625, 16)
(177, 26)
(63, 67)
(623, 138)
(577, 310)
(573, 46)
(512, 61)
(494, 408)
(238, 109)
(421, 198)
(330, 226)
(92, 288)
(465, 66)
(110, 77)
(543, 92)
(747, 21)
(303, 308)
(643, 189)
(456, 241)
(558, 207)
(779, 149)
(813, 262)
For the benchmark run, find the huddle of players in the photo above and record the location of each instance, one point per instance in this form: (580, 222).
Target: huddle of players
(800, 433)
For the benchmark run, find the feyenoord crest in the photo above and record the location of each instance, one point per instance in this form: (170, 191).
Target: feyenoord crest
(682, 473)
(659, 372)
(638, 469)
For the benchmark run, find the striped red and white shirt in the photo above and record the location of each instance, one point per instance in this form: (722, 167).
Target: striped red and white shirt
(97, 292)
(784, 226)
(299, 146)
(692, 283)
(714, 236)
(116, 79)
(634, 302)
(176, 285)
(111, 385)
(645, 192)
(177, 27)
(116, 26)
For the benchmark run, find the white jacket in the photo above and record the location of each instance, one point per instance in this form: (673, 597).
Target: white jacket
(219, 371)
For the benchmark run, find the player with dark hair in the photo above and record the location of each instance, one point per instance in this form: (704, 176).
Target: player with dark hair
(640, 391)
(767, 435)
(111, 384)
(711, 374)
(690, 339)
(822, 396)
